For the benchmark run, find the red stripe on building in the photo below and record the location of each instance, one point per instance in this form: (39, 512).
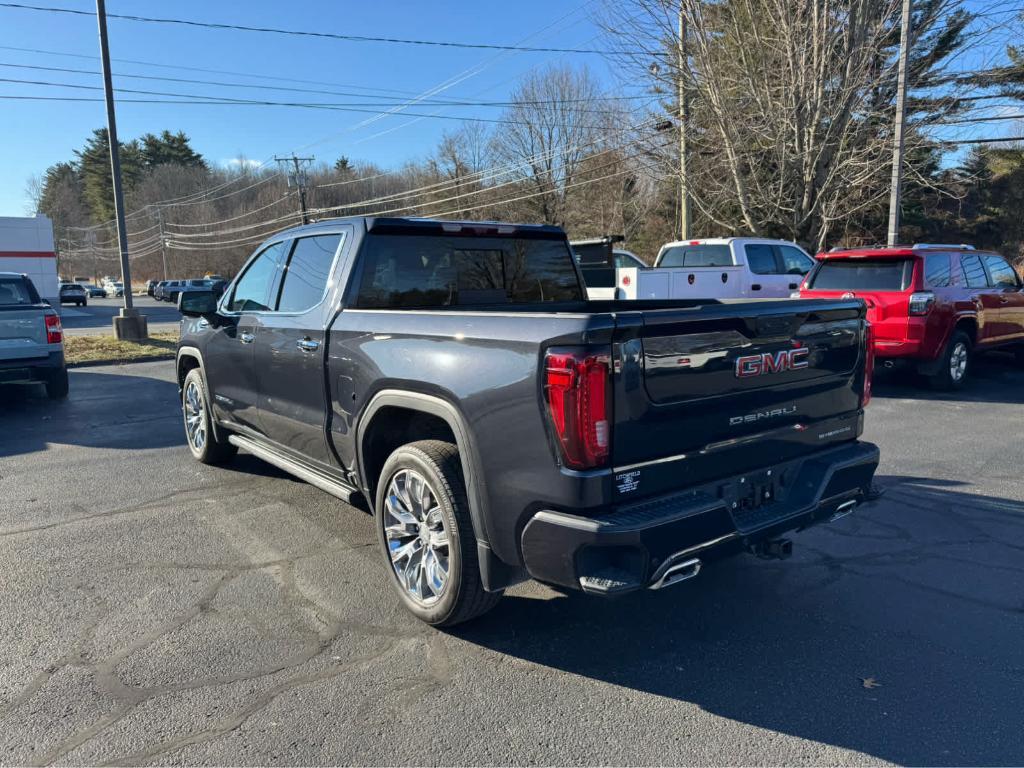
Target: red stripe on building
(28, 254)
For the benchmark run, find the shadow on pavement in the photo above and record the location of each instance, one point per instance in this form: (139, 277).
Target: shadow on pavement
(104, 409)
(895, 632)
(996, 377)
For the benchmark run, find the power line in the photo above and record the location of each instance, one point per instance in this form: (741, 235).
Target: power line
(191, 81)
(306, 33)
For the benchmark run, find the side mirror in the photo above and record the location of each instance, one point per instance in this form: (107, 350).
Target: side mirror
(197, 303)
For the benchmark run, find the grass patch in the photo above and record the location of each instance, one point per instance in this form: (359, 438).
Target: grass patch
(81, 350)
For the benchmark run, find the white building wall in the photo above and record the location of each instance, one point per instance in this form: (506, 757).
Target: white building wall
(26, 247)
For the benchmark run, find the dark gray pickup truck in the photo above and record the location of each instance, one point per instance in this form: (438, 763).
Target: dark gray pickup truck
(501, 427)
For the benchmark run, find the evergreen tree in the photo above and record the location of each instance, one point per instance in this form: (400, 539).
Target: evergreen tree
(169, 148)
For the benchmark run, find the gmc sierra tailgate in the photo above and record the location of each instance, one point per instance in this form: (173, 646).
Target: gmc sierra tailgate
(711, 391)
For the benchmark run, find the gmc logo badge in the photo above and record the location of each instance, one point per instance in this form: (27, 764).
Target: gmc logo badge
(772, 362)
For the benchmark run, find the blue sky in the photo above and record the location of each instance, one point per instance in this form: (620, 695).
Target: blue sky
(38, 134)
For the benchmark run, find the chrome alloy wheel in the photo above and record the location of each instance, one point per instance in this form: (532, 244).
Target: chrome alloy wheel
(958, 361)
(195, 416)
(416, 536)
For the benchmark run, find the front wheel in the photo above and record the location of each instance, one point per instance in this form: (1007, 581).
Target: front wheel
(202, 442)
(955, 365)
(426, 534)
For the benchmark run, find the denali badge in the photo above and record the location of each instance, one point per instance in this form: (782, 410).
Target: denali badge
(753, 418)
(771, 362)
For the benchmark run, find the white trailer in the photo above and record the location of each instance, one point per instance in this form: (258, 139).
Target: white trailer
(26, 247)
(719, 268)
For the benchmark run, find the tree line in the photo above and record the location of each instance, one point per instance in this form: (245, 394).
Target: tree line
(789, 134)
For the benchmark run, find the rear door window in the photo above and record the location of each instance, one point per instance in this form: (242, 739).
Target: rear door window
(305, 279)
(761, 258)
(938, 270)
(973, 271)
(437, 271)
(863, 275)
(696, 256)
(1002, 274)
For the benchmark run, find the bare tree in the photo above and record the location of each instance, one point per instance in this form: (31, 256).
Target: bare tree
(791, 101)
(552, 126)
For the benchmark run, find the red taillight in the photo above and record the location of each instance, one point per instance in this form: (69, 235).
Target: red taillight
(54, 333)
(869, 363)
(576, 386)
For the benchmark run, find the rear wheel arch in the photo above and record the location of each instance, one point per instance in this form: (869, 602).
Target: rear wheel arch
(969, 325)
(394, 418)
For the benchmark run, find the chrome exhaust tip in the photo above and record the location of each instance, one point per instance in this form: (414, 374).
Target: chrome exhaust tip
(843, 510)
(675, 570)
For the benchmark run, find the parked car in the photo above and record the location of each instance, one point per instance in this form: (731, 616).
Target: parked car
(150, 287)
(115, 289)
(502, 427)
(95, 291)
(171, 289)
(719, 268)
(597, 262)
(31, 337)
(930, 306)
(73, 293)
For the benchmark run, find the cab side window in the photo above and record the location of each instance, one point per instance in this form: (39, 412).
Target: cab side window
(309, 268)
(795, 261)
(761, 258)
(1002, 274)
(973, 271)
(254, 289)
(938, 272)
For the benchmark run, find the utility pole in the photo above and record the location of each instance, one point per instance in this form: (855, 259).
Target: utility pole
(297, 178)
(130, 325)
(684, 115)
(896, 188)
(163, 237)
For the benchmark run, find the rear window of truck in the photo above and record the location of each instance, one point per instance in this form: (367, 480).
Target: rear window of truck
(439, 271)
(696, 256)
(863, 275)
(15, 291)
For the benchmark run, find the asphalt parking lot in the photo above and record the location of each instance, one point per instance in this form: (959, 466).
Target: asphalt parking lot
(159, 611)
(98, 315)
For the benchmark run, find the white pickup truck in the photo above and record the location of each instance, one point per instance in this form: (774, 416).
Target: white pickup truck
(719, 268)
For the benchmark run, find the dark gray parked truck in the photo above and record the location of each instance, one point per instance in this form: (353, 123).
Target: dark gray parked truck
(501, 427)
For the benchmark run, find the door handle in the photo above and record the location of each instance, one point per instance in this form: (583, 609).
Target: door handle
(307, 345)
(246, 338)
(794, 286)
(755, 287)
(1003, 300)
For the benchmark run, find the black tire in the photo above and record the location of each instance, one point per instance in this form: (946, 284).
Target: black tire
(958, 347)
(209, 449)
(84, 303)
(462, 596)
(57, 384)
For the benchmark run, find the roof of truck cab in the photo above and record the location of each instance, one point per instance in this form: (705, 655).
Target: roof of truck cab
(725, 241)
(395, 223)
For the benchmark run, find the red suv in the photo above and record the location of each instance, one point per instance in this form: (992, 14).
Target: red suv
(930, 305)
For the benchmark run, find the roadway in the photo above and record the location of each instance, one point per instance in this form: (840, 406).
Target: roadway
(96, 318)
(159, 611)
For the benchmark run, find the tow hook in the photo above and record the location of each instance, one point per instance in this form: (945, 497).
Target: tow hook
(775, 549)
